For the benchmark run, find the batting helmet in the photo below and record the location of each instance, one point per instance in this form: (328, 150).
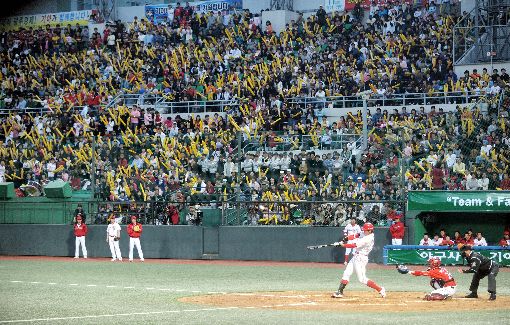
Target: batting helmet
(368, 227)
(434, 262)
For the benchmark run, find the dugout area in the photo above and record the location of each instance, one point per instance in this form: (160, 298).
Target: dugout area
(491, 225)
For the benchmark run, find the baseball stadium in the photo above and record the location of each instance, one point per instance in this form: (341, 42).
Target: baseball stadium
(255, 162)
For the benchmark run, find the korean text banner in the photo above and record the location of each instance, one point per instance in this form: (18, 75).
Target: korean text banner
(80, 17)
(448, 257)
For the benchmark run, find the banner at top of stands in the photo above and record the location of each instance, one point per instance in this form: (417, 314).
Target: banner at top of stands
(348, 5)
(165, 12)
(80, 17)
(459, 201)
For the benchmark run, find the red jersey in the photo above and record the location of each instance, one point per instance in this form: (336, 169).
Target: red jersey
(397, 230)
(80, 229)
(439, 274)
(504, 242)
(131, 231)
(447, 242)
(470, 242)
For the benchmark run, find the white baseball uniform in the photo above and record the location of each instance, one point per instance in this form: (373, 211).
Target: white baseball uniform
(114, 244)
(351, 230)
(480, 242)
(359, 262)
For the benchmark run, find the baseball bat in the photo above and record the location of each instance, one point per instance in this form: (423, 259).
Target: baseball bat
(320, 246)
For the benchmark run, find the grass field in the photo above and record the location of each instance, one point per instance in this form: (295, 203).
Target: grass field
(97, 291)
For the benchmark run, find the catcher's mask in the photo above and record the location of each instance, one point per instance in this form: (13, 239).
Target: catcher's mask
(434, 262)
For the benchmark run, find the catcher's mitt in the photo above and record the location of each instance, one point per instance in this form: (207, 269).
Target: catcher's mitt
(136, 228)
(116, 239)
(402, 269)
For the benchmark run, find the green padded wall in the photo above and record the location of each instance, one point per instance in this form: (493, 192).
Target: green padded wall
(58, 189)
(6, 190)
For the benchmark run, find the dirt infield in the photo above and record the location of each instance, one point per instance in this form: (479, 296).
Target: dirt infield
(359, 301)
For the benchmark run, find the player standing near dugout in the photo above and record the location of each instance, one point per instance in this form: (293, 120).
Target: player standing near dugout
(362, 247)
(134, 231)
(80, 231)
(482, 267)
(113, 237)
(441, 280)
(352, 230)
(397, 230)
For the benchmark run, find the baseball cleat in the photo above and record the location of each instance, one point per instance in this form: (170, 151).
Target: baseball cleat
(383, 292)
(114, 259)
(141, 260)
(76, 257)
(472, 295)
(492, 296)
(131, 260)
(337, 294)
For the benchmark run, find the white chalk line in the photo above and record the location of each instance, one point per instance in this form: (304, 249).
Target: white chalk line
(49, 319)
(397, 304)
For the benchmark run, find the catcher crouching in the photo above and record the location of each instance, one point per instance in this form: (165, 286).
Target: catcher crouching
(441, 280)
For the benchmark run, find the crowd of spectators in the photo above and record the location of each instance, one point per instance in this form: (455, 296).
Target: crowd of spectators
(140, 155)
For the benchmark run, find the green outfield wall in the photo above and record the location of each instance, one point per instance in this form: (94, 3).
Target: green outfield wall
(276, 243)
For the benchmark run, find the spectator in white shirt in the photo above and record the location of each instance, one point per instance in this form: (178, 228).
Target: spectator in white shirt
(2, 171)
(425, 241)
(483, 182)
(437, 241)
(50, 167)
(480, 240)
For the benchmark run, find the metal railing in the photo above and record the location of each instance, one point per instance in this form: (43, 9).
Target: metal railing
(457, 97)
(301, 142)
(164, 106)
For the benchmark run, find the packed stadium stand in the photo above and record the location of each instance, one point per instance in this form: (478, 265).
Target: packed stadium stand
(218, 108)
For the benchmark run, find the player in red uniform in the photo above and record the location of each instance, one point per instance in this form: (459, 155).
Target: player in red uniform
(134, 231)
(505, 241)
(397, 231)
(441, 280)
(80, 231)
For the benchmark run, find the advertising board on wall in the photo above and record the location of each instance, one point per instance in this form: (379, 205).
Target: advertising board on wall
(165, 12)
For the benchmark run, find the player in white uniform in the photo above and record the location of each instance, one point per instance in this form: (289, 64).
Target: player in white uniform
(113, 237)
(351, 230)
(362, 247)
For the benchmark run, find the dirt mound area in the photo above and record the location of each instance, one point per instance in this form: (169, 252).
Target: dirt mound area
(361, 301)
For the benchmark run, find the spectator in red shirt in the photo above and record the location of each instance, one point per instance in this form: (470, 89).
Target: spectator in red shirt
(468, 239)
(80, 231)
(442, 234)
(505, 241)
(397, 231)
(447, 241)
(437, 177)
(505, 183)
(457, 239)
